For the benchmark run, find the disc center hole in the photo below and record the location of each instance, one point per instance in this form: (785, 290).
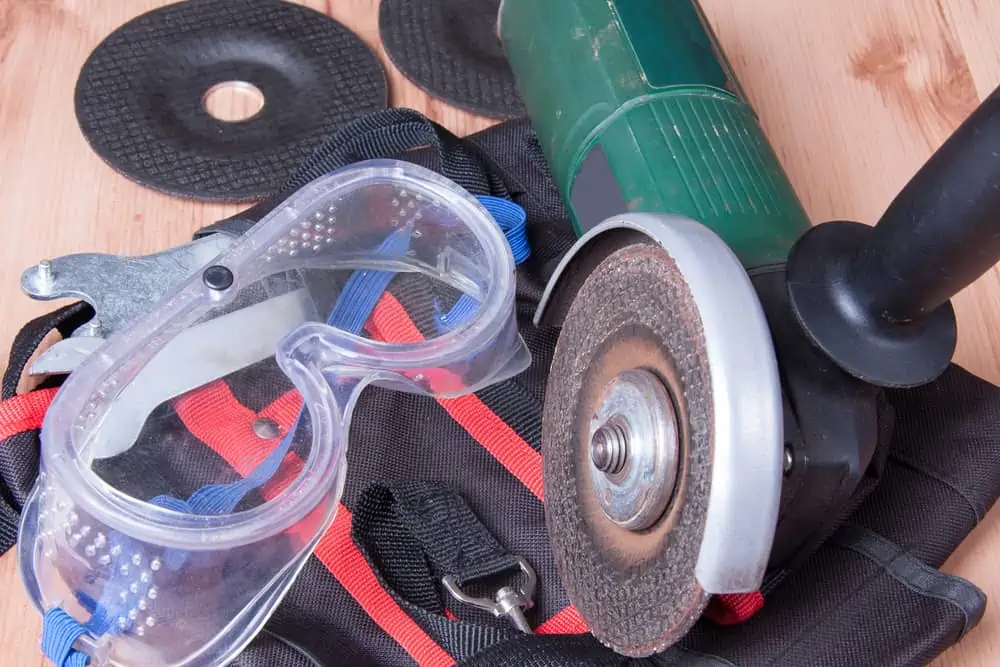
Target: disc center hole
(233, 101)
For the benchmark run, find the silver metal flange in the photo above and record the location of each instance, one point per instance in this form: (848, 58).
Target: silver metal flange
(634, 449)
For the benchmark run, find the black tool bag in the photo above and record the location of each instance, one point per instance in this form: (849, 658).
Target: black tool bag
(452, 487)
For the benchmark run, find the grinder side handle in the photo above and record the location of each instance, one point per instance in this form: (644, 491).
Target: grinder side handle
(876, 299)
(940, 233)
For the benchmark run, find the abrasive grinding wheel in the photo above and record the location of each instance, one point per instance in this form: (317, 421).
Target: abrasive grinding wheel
(661, 436)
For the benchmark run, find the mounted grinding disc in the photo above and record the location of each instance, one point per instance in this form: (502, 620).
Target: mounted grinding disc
(661, 436)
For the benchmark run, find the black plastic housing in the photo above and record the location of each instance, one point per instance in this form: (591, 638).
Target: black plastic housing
(832, 428)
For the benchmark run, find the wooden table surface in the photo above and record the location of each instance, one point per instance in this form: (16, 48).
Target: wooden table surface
(854, 95)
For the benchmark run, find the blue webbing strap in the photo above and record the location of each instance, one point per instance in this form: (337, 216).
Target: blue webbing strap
(350, 313)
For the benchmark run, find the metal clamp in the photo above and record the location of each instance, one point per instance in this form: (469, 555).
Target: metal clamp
(120, 288)
(507, 601)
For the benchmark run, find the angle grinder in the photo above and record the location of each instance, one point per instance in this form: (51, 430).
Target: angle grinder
(715, 400)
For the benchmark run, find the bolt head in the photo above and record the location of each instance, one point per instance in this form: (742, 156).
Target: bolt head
(265, 428)
(218, 277)
(609, 449)
(600, 451)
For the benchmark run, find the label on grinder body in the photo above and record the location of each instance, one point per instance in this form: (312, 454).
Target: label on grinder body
(674, 44)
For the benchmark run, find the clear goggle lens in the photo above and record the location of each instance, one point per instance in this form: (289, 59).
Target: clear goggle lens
(190, 466)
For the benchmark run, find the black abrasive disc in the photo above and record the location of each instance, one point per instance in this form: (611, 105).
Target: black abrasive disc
(636, 590)
(450, 49)
(140, 95)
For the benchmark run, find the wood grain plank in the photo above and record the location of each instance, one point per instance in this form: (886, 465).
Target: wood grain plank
(976, 24)
(855, 95)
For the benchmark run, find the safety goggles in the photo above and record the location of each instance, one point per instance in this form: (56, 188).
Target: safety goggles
(142, 545)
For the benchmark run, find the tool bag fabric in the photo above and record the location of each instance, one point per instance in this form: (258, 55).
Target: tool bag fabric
(440, 487)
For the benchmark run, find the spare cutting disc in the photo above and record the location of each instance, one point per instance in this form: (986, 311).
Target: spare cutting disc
(450, 49)
(142, 97)
(629, 440)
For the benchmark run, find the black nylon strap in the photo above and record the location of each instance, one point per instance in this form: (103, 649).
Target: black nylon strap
(27, 340)
(414, 533)
(450, 537)
(919, 577)
(391, 133)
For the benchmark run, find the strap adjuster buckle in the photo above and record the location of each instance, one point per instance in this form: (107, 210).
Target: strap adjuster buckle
(509, 601)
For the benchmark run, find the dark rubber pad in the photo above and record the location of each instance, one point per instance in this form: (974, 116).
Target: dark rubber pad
(139, 97)
(636, 591)
(450, 49)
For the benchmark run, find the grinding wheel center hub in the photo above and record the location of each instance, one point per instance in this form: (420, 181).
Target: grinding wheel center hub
(233, 101)
(634, 449)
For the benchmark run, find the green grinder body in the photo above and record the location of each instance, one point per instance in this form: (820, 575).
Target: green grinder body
(637, 110)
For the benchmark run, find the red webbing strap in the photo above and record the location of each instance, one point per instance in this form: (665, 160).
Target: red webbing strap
(24, 412)
(391, 323)
(499, 439)
(215, 417)
(734, 608)
(566, 621)
(345, 561)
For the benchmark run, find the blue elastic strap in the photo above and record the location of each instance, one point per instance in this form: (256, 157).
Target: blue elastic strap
(512, 220)
(365, 287)
(513, 223)
(462, 310)
(59, 631)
